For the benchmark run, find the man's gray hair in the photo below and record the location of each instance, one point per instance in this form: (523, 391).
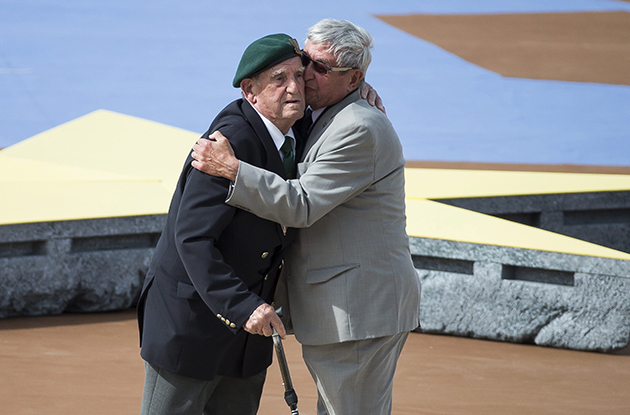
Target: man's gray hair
(350, 44)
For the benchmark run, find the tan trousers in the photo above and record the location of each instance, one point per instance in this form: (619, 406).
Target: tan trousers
(355, 377)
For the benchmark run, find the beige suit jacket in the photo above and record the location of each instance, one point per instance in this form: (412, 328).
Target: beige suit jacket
(349, 272)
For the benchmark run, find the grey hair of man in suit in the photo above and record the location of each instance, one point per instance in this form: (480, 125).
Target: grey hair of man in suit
(350, 43)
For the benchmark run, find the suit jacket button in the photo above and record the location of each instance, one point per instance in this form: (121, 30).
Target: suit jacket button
(232, 325)
(264, 255)
(227, 321)
(219, 315)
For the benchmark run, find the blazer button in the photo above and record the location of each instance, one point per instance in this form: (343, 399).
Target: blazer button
(264, 255)
(232, 325)
(227, 322)
(219, 316)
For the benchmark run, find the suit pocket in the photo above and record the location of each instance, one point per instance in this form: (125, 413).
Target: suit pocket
(319, 275)
(187, 291)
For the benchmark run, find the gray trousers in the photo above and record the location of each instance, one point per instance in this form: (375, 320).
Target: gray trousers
(167, 393)
(355, 377)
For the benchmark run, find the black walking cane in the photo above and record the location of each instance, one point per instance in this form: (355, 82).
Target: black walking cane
(289, 393)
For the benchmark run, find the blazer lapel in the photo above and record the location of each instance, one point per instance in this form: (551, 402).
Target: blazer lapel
(274, 162)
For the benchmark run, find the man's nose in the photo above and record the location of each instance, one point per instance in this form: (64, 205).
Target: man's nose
(294, 85)
(308, 72)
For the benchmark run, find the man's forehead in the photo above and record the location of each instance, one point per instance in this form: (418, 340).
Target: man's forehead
(290, 65)
(319, 51)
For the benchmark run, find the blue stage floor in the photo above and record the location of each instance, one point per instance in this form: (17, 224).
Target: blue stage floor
(173, 62)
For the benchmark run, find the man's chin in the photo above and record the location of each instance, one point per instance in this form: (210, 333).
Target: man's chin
(310, 97)
(294, 114)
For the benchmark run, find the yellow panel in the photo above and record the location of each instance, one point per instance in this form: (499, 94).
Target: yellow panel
(442, 183)
(100, 165)
(108, 141)
(428, 219)
(46, 201)
(22, 170)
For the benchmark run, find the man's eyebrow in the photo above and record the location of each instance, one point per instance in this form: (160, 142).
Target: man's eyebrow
(277, 72)
(326, 61)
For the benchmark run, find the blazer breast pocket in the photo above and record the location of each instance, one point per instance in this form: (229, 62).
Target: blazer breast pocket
(319, 275)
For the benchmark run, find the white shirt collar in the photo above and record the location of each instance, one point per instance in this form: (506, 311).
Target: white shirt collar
(316, 113)
(275, 133)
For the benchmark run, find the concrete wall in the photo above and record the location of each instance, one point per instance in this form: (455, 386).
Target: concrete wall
(474, 290)
(523, 296)
(75, 266)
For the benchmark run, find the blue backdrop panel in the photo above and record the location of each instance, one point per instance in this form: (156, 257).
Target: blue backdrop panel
(173, 62)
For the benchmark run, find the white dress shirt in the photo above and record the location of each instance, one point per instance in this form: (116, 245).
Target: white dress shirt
(276, 134)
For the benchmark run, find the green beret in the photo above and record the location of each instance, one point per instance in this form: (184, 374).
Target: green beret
(264, 53)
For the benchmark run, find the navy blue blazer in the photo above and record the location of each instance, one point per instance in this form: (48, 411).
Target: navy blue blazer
(213, 266)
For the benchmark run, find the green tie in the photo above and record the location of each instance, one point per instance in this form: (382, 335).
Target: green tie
(288, 159)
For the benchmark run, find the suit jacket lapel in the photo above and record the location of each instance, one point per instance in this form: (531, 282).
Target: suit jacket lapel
(274, 162)
(326, 118)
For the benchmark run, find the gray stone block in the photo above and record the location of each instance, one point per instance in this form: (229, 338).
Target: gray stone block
(523, 296)
(75, 266)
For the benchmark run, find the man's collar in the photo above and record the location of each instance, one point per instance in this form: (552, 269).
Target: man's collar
(274, 132)
(316, 113)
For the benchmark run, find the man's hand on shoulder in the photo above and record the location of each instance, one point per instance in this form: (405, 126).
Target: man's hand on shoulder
(214, 156)
(371, 96)
(263, 320)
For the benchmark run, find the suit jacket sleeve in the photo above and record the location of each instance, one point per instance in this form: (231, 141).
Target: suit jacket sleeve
(342, 169)
(201, 218)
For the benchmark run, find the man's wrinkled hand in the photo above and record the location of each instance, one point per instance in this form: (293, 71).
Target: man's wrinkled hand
(371, 96)
(214, 156)
(263, 320)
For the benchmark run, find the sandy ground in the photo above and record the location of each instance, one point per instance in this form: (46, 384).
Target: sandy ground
(551, 168)
(579, 47)
(90, 364)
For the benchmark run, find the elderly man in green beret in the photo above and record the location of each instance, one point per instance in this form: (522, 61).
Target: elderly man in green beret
(204, 314)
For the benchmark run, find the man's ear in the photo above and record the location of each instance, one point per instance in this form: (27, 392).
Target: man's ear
(247, 86)
(356, 76)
